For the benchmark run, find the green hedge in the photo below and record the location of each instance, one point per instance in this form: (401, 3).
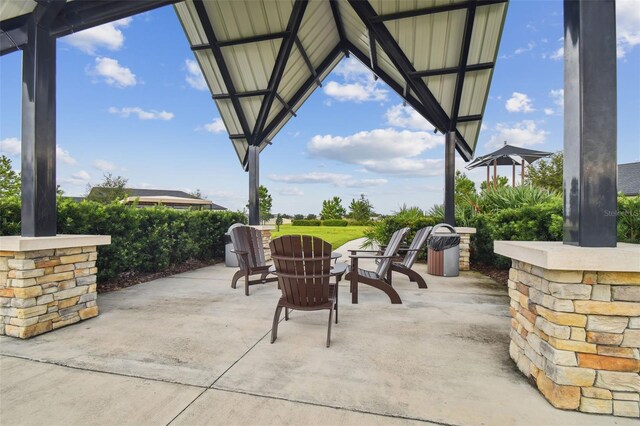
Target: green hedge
(142, 239)
(335, 222)
(306, 222)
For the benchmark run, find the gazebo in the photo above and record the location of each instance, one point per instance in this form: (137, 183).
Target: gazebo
(508, 155)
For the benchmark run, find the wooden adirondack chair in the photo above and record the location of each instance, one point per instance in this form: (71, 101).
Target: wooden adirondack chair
(303, 267)
(410, 257)
(247, 245)
(381, 277)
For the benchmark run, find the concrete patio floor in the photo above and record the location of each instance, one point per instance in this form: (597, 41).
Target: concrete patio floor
(189, 350)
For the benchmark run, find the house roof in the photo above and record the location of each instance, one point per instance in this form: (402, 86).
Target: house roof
(629, 178)
(168, 199)
(263, 58)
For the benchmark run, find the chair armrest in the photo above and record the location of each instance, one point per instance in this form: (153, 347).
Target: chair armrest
(364, 251)
(370, 256)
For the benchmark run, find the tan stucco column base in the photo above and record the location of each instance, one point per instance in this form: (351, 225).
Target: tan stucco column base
(47, 282)
(575, 327)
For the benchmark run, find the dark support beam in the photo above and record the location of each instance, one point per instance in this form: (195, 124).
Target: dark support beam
(435, 9)
(467, 118)
(240, 94)
(236, 42)
(450, 178)
(295, 19)
(222, 67)
(590, 123)
(307, 61)
(452, 70)
(254, 184)
(13, 34)
(306, 86)
(338, 21)
(436, 115)
(373, 55)
(286, 106)
(38, 167)
(462, 66)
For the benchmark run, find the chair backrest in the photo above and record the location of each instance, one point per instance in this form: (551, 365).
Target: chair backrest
(303, 267)
(392, 249)
(246, 238)
(416, 245)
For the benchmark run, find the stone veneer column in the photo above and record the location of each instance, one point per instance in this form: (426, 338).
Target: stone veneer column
(465, 246)
(575, 328)
(266, 239)
(47, 282)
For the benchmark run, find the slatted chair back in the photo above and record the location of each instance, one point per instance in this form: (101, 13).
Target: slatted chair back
(416, 245)
(248, 239)
(392, 248)
(303, 265)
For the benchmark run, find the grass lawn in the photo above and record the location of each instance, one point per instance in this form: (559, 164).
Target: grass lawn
(336, 235)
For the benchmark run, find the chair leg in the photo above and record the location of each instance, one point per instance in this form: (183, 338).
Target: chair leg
(246, 285)
(337, 292)
(274, 327)
(286, 314)
(236, 277)
(329, 327)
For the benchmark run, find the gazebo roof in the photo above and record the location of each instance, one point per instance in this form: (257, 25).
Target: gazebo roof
(263, 59)
(505, 156)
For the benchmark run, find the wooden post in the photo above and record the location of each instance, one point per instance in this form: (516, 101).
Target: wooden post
(495, 174)
(513, 175)
(488, 176)
(522, 173)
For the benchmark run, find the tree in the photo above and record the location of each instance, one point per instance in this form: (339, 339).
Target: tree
(502, 182)
(265, 203)
(465, 189)
(198, 194)
(332, 209)
(9, 178)
(298, 216)
(360, 210)
(112, 188)
(278, 222)
(547, 173)
(311, 216)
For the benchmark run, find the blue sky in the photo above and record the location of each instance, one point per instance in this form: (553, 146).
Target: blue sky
(131, 102)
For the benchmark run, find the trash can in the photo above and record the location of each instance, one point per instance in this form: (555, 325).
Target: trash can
(443, 255)
(230, 258)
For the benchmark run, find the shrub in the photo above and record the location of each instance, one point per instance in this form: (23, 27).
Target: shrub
(306, 222)
(335, 222)
(142, 240)
(629, 219)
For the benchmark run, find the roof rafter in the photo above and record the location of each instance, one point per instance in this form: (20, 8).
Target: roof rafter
(241, 94)
(468, 118)
(246, 40)
(435, 9)
(295, 19)
(373, 55)
(222, 66)
(308, 84)
(337, 19)
(453, 70)
(462, 64)
(437, 116)
(307, 61)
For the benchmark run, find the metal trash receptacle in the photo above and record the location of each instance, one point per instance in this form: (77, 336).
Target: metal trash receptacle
(443, 255)
(230, 258)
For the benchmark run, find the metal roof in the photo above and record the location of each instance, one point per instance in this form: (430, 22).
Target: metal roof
(263, 58)
(629, 178)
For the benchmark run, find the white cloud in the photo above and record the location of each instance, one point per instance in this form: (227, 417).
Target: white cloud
(549, 111)
(104, 165)
(407, 118)
(529, 47)
(291, 192)
(216, 126)
(558, 55)
(64, 156)
(142, 114)
(406, 166)
(13, 146)
(359, 84)
(10, 146)
(82, 174)
(78, 178)
(356, 92)
(558, 98)
(627, 25)
(378, 144)
(108, 36)
(113, 73)
(194, 75)
(519, 102)
(524, 133)
(336, 179)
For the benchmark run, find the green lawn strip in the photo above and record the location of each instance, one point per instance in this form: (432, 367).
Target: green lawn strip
(335, 235)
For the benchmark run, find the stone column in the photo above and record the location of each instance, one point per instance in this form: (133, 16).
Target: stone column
(465, 246)
(266, 239)
(47, 282)
(575, 328)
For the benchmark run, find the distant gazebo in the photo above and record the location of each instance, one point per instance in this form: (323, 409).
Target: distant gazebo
(508, 155)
